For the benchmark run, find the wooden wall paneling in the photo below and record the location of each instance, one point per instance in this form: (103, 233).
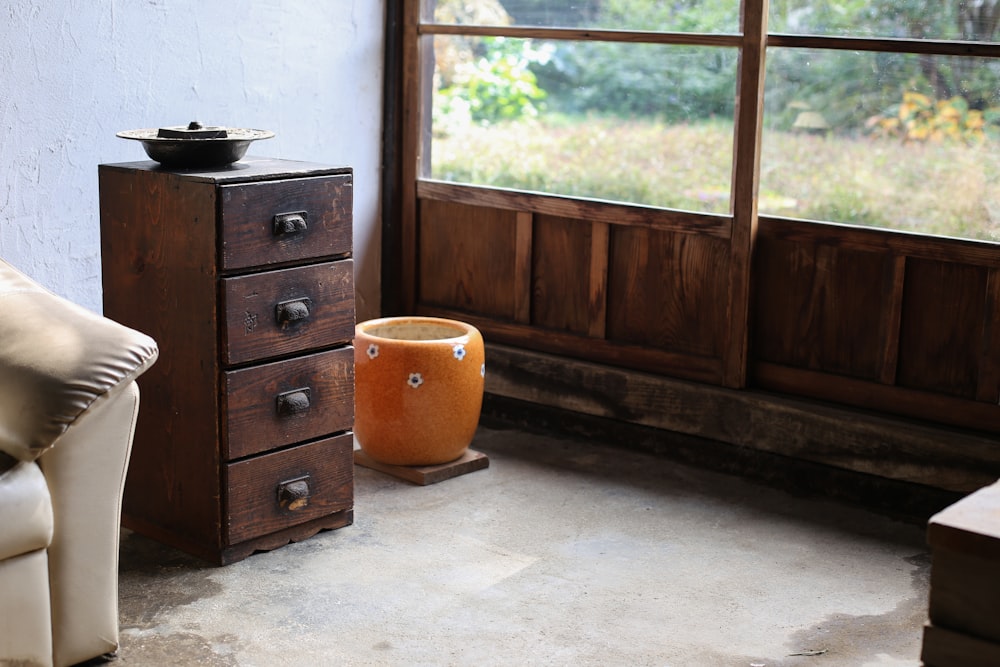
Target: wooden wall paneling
(467, 258)
(822, 308)
(668, 291)
(941, 335)
(561, 266)
(745, 179)
(893, 318)
(988, 386)
(597, 306)
(524, 242)
(776, 298)
(630, 265)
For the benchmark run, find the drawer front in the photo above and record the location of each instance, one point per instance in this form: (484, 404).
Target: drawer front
(273, 491)
(275, 313)
(270, 222)
(284, 402)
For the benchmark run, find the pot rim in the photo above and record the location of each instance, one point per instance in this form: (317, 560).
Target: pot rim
(365, 328)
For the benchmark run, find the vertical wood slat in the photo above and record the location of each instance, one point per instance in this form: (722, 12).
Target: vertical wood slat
(418, 73)
(988, 386)
(390, 197)
(411, 122)
(745, 178)
(560, 264)
(522, 267)
(597, 307)
(893, 321)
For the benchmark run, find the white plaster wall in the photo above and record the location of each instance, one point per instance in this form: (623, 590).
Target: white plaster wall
(74, 72)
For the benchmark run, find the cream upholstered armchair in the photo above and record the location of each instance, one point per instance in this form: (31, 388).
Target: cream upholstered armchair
(68, 404)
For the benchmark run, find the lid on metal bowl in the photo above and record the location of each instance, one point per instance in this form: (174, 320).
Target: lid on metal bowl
(194, 130)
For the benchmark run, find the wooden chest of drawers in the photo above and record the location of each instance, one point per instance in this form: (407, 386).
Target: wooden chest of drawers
(244, 277)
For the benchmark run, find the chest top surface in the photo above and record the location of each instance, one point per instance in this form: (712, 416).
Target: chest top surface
(249, 169)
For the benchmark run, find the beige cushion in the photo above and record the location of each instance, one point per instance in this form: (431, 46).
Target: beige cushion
(56, 360)
(25, 511)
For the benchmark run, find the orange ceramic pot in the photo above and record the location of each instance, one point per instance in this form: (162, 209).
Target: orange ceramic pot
(418, 384)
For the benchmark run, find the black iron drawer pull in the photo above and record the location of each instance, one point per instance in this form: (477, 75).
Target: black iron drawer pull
(293, 402)
(291, 223)
(292, 312)
(293, 494)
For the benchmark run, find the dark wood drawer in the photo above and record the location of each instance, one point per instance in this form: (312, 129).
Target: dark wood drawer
(270, 492)
(272, 222)
(275, 313)
(284, 402)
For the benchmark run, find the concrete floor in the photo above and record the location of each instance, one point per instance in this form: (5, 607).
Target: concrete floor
(560, 553)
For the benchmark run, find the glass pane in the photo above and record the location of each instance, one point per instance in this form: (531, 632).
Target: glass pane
(711, 16)
(915, 19)
(640, 123)
(900, 141)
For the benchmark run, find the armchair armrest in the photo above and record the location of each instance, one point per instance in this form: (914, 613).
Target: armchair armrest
(57, 360)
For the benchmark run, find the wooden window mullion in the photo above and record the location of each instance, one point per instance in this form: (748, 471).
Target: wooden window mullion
(746, 174)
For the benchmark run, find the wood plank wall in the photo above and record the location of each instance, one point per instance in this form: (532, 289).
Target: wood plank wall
(878, 320)
(897, 323)
(632, 293)
(895, 335)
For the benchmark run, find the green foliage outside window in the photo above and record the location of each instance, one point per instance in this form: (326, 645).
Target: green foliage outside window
(498, 86)
(679, 84)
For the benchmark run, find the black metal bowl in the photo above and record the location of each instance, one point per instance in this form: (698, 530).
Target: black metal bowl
(196, 151)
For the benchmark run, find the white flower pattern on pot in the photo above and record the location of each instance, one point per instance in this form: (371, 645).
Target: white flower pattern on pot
(416, 379)
(372, 351)
(458, 351)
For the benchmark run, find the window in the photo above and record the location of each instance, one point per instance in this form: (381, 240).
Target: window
(608, 99)
(863, 138)
(881, 114)
(508, 114)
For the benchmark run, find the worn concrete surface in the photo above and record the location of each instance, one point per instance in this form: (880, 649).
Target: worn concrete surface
(560, 553)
